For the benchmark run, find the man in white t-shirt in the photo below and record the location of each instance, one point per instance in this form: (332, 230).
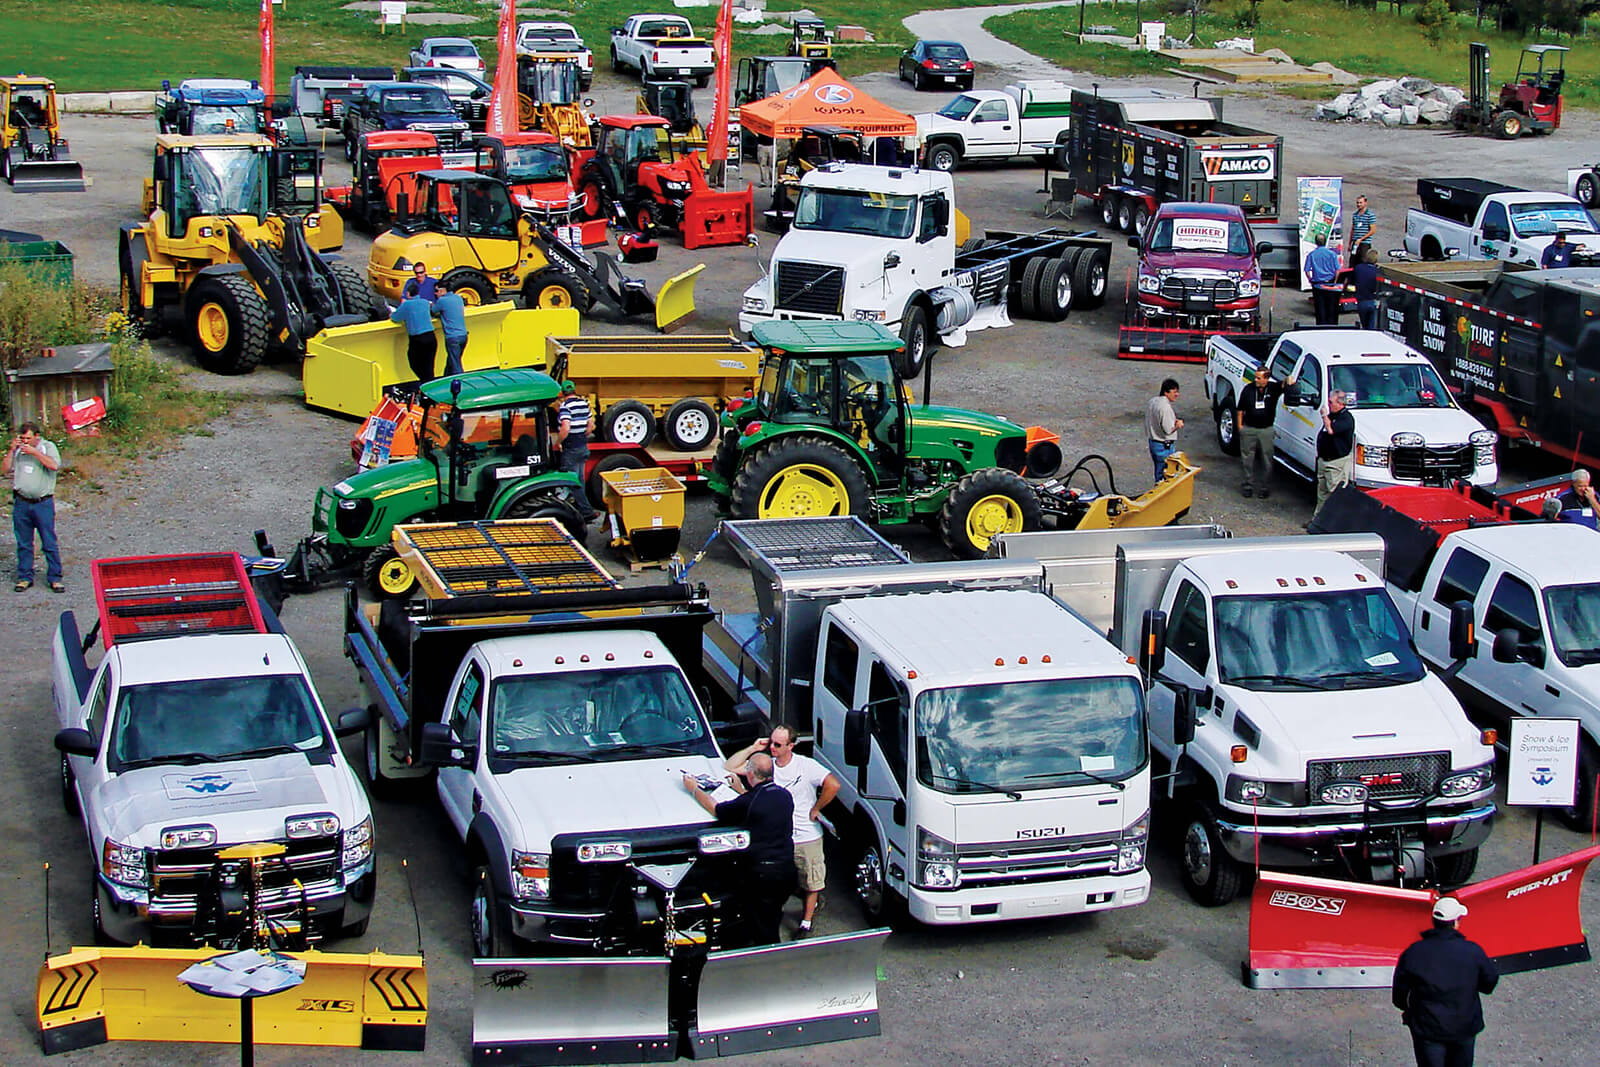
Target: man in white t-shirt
(813, 789)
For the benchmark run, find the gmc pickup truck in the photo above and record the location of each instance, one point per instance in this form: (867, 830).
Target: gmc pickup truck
(1028, 118)
(662, 47)
(1477, 219)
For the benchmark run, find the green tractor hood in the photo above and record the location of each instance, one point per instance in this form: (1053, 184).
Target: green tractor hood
(968, 438)
(361, 510)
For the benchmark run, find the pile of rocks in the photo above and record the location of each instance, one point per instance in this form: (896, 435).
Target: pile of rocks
(1395, 102)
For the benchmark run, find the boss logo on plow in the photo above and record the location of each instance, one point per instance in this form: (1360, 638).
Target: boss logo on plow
(1288, 898)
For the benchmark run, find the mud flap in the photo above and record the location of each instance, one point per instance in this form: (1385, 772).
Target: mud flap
(711, 218)
(1310, 933)
(48, 176)
(675, 301)
(89, 996)
(549, 1011)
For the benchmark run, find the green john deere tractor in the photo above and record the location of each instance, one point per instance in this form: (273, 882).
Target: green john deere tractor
(483, 453)
(831, 432)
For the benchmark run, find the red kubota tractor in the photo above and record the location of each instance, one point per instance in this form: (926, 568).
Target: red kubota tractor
(1530, 101)
(534, 165)
(634, 175)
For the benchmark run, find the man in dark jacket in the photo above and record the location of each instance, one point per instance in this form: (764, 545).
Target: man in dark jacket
(767, 811)
(1436, 987)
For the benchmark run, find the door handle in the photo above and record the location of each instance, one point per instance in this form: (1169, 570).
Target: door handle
(1427, 617)
(477, 802)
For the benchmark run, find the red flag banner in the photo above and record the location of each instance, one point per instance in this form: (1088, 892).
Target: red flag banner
(268, 79)
(717, 143)
(503, 105)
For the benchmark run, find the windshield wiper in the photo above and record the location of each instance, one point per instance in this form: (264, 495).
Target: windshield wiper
(1354, 676)
(1272, 679)
(1112, 782)
(1012, 793)
(665, 747)
(177, 758)
(545, 754)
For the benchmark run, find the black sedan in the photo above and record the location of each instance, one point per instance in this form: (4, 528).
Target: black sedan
(936, 64)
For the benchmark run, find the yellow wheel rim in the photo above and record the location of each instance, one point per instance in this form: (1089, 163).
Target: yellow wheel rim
(991, 516)
(211, 326)
(804, 490)
(394, 577)
(469, 296)
(554, 296)
(125, 293)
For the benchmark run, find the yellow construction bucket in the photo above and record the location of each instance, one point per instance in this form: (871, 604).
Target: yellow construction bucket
(646, 511)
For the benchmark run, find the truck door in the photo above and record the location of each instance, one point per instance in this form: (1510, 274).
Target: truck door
(1300, 414)
(1188, 660)
(458, 790)
(891, 732)
(1520, 687)
(993, 130)
(90, 772)
(1491, 238)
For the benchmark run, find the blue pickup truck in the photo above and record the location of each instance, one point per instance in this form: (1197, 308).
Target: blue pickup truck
(403, 106)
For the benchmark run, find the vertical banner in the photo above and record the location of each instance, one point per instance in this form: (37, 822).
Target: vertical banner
(503, 104)
(1321, 212)
(717, 140)
(268, 78)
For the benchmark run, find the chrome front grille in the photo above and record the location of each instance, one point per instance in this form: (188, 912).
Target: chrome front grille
(1007, 863)
(1386, 777)
(1200, 290)
(1433, 466)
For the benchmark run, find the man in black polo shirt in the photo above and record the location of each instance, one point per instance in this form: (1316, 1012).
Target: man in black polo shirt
(1336, 444)
(1258, 410)
(767, 811)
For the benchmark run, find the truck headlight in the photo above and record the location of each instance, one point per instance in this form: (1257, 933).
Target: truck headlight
(1242, 790)
(1343, 793)
(604, 851)
(357, 844)
(936, 862)
(321, 824)
(1473, 780)
(755, 303)
(530, 875)
(1372, 456)
(1149, 283)
(1408, 439)
(124, 864)
(871, 315)
(1250, 288)
(188, 837)
(721, 841)
(1130, 854)
(1483, 442)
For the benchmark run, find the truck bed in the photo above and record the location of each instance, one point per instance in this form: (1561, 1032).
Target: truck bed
(1249, 349)
(1457, 199)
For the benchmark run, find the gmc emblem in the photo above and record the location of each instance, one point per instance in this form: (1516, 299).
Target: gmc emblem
(1386, 778)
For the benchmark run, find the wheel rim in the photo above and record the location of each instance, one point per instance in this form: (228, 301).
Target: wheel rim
(1063, 291)
(1097, 278)
(1586, 191)
(593, 203)
(692, 426)
(1513, 127)
(1125, 217)
(1108, 212)
(629, 428)
(480, 921)
(554, 296)
(470, 296)
(645, 220)
(916, 347)
(1225, 427)
(993, 515)
(869, 881)
(806, 489)
(1197, 854)
(211, 326)
(394, 576)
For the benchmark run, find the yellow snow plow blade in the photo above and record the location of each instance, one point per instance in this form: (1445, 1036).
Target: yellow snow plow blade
(675, 301)
(89, 996)
(1165, 502)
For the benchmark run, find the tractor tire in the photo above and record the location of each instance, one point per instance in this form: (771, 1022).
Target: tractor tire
(1055, 295)
(691, 425)
(548, 506)
(646, 218)
(1228, 427)
(386, 575)
(796, 477)
(1028, 290)
(1127, 213)
(596, 485)
(1461, 116)
(128, 284)
(1091, 277)
(1508, 125)
(1108, 209)
(1211, 876)
(594, 201)
(359, 297)
(228, 323)
(474, 286)
(917, 335)
(943, 156)
(628, 422)
(1588, 190)
(986, 503)
(553, 289)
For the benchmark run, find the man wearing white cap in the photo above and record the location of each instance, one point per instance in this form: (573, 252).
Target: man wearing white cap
(1436, 987)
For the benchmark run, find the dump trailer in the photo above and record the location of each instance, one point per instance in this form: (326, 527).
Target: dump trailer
(33, 155)
(561, 715)
(1132, 150)
(1518, 347)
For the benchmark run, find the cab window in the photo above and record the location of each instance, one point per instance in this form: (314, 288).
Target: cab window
(1186, 633)
(98, 704)
(466, 714)
(887, 699)
(1283, 361)
(1513, 606)
(1308, 382)
(839, 665)
(1462, 578)
(1496, 223)
(990, 111)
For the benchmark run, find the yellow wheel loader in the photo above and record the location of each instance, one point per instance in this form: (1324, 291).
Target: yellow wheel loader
(549, 98)
(231, 255)
(33, 154)
(465, 229)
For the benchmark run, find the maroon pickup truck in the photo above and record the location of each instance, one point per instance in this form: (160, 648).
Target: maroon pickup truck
(1199, 267)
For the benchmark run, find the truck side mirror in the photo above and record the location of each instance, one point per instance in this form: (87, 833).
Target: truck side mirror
(1264, 248)
(1183, 716)
(1463, 633)
(440, 748)
(891, 261)
(76, 742)
(352, 721)
(857, 738)
(1509, 647)
(1133, 242)
(1152, 643)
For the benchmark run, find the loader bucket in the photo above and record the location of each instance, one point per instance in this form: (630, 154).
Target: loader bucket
(1318, 933)
(540, 1011)
(675, 301)
(711, 219)
(48, 176)
(1161, 505)
(781, 996)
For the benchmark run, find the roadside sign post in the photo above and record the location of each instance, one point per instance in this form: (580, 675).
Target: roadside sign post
(1543, 768)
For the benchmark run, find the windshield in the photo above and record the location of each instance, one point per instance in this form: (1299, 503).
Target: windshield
(595, 714)
(1200, 235)
(416, 101)
(220, 181)
(959, 108)
(847, 211)
(549, 83)
(1029, 735)
(536, 163)
(1391, 385)
(212, 719)
(215, 119)
(1335, 640)
(455, 51)
(1574, 622)
(1542, 220)
(782, 77)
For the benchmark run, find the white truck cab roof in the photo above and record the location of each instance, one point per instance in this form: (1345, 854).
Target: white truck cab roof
(1274, 573)
(1352, 346)
(199, 656)
(591, 650)
(904, 181)
(1557, 553)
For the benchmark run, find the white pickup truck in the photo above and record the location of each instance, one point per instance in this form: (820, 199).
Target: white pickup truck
(200, 729)
(557, 40)
(662, 47)
(1027, 118)
(1476, 219)
(1409, 429)
(1285, 692)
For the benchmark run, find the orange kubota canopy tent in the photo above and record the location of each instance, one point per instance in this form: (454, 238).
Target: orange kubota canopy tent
(824, 99)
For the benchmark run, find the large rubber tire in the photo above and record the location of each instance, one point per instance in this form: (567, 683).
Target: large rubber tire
(1028, 289)
(594, 201)
(1211, 876)
(553, 289)
(474, 286)
(646, 218)
(69, 789)
(596, 485)
(228, 324)
(943, 156)
(1055, 295)
(880, 904)
(797, 477)
(1227, 426)
(917, 335)
(360, 296)
(1508, 125)
(386, 575)
(690, 425)
(1108, 209)
(547, 506)
(128, 285)
(984, 504)
(1090, 277)
(628, 422)
(1588, 191)
(1577, 817)
(1455, 869)
(1127, 213)
(97, 928)
(616, 64)
(487, 919)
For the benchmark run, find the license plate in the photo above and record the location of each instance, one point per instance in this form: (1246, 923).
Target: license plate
(949, 77)
(683, 70)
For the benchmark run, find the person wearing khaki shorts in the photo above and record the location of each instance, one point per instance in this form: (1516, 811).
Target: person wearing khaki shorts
(813, 789)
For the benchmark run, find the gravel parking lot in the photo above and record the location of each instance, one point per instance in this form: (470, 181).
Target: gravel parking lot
(1158, 984)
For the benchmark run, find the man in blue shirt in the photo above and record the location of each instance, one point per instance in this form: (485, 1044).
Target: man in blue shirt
(422, 347)
(420, 284)
(1322, 270)
(1557, 254)
(1362, 225)
(451, 310)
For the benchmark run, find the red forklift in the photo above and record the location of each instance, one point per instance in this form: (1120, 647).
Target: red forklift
(1531, 101)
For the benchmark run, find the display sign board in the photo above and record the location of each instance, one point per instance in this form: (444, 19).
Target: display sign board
(392, 12)
(1320, 211)
(1544, 762)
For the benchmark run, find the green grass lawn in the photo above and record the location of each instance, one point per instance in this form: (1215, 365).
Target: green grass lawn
(134, 44)
(1370, 43)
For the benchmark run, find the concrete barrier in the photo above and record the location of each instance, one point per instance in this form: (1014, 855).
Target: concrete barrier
(122, 103)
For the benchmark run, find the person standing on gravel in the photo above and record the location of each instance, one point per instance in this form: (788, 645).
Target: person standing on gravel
(1257, 415)
(1437, 983)
(33, 463)
(1161, 426)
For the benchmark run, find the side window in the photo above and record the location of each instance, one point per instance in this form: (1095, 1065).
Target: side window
(888, 701)
(1308, 382)
(1513, 605)
(1496, 224)
(1186, 631)
(1462, 577)
(992, 111)
(97, 705)
(466, 715)
(1283, 361)
(839, 665)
